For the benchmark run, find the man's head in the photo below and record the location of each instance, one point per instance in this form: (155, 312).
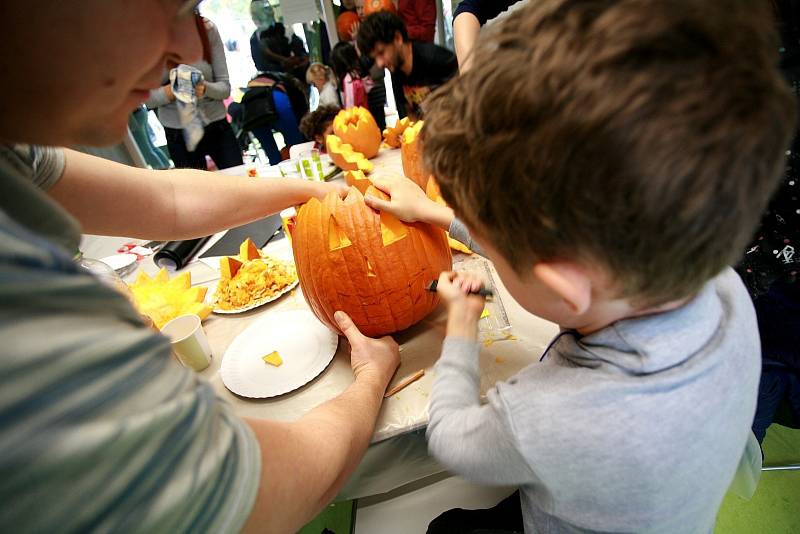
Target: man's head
(383, 37)
(74, 71)
(630, 143)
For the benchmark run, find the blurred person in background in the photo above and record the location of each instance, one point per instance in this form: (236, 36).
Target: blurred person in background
(218, 141)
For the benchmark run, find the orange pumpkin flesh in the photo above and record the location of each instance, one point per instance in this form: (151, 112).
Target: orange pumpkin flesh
(345, 23)
(344, 157)
(358, 180)
(411, 155)
(356, 127)
(373, 6)
(391, 136)
(433, 192)
(368, 264)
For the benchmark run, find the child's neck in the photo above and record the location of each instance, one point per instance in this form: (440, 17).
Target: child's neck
(610, 312)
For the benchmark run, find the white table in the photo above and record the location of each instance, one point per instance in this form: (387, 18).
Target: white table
(402, 413)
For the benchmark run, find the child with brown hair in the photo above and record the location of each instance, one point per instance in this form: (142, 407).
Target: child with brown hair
(612, 159)
(318, 124)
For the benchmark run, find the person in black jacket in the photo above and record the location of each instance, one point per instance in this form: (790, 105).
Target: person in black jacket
(771, 263)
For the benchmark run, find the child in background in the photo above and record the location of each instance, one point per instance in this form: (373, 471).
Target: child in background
(612, 159)
(318, 124)
(347, 68)
(321, 76)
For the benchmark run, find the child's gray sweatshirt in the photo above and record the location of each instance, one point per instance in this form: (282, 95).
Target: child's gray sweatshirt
(638, 427)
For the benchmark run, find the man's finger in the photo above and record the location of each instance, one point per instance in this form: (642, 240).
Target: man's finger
(348, 327)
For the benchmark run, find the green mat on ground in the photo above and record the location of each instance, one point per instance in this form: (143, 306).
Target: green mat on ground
(775, 508)
(339, 518)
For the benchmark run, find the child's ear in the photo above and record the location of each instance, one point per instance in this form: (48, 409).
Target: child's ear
(568, 281)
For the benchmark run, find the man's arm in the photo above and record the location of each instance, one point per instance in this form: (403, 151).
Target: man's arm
(304, 464)
(466, 29)
(109, 198)
(468, 18)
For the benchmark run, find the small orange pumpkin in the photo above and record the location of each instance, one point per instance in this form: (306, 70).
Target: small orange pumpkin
(356, 127)
(345, 23)
(411, 155)
(358, 180)
(368, 264)
(391, 136)
(373, 6)
(344, 157)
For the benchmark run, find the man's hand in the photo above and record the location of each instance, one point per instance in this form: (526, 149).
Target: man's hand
(408, 202)
(323, 188)
(373, 359)
(200, 89)
(464, 308)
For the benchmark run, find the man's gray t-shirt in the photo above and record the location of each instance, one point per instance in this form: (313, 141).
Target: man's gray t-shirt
(638, 427)
(100, 428)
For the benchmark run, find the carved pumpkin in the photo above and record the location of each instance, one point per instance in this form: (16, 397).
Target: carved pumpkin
(344, 157)
(373, 6)
(344, 24)
(391, 136)
(356, 127)
(367, 264)
(411, 155)
(163, 299)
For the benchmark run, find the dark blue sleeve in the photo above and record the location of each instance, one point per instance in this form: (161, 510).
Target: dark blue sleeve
(482, 9)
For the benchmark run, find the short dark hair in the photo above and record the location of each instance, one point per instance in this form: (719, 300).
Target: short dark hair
(314, 123)
(644, 137)
(377, 28)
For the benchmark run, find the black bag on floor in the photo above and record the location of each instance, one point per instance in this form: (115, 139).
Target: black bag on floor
(258, 108)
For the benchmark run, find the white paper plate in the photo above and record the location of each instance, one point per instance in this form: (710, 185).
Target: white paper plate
(256, 304)
(305, 344)
(119, 262)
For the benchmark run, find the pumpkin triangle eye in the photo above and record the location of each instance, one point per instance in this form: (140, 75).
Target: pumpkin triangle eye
(337, 239)
(392, 230)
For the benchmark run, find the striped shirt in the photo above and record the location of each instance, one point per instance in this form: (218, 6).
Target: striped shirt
(100, 429)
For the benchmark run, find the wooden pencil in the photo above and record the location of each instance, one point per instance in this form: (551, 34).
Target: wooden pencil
(405, 382)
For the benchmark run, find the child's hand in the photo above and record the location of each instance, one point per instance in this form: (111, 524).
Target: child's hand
(408, 202)
(463, 306)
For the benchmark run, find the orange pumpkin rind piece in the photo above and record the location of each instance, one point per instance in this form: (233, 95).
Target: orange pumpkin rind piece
(248, 250)
(344, 157)
(391, 136)
(411, 155)
(357, 179)
(229, 266)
